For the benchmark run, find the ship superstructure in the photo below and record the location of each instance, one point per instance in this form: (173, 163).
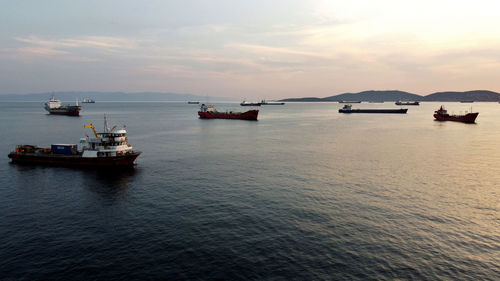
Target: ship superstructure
(107, 148)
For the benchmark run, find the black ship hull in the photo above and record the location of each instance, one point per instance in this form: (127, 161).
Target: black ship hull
(400, 111)
(73, 160)
(72, 110)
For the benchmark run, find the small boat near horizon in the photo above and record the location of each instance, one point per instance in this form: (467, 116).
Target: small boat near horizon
(348, 109)
(264, 102)
(87, 100)
(54, 107)
(246, 103)
(442, 115)
(407, 102)
(193, 102)
(209, 112)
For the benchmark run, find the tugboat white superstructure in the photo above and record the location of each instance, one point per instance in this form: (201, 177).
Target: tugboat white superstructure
(108, 148)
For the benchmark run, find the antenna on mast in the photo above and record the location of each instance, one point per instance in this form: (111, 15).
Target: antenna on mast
(106, 129)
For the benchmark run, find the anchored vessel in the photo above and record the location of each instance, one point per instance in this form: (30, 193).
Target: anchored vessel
(246, 103)
(53, 106)
(264, 102)
(346, 101)
(209, 112)
(407, 102)
(109, 148)
(442, 115)
(88, 100)
(348, 109)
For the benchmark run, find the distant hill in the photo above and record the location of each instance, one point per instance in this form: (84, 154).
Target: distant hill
(392, 95)
(110, 96)
(395, 95)
(303, 99)
(479, 95)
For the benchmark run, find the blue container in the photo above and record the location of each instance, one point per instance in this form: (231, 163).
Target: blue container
(65, 149)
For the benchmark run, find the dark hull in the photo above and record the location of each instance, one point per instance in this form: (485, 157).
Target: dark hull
(248, 115)
(73, 160)
(251, 104)
(66, 110)
(273, 103)
(467, 118)
(400, 111)
(407, 103)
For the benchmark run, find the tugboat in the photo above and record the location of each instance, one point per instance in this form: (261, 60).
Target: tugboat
(107, 149)
(246, 103)
(54, 106)
(348, 109)
(209, 112)
(442, 115)
(407, 102)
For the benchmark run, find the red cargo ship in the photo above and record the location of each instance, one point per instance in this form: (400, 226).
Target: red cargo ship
(442, 115)
(209, 112)
(108, 149)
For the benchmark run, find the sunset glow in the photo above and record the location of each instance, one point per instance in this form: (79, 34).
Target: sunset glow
(283, 49)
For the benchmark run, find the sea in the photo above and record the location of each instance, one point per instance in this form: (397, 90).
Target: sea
(304, 193)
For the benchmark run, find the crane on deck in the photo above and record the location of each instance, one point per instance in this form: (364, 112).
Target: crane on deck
(93, 129)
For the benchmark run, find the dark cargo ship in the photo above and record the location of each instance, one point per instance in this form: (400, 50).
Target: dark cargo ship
(246, 103)
(209, 112)
(407, 102)
(54, 106)
(107, 149)
(348, 109)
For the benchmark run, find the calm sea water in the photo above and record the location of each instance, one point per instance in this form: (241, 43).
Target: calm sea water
(304, 193)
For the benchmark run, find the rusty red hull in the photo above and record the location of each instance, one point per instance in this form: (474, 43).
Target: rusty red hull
(467, 118)
(73, 160)
(248, 115)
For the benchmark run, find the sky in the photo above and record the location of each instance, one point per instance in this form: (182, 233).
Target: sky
(259, 49)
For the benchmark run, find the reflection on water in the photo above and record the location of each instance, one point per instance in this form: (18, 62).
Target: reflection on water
(305, 193)
(109, 182)
(104, 180)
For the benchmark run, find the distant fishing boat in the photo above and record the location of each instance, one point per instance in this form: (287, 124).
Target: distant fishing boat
(109, 148)
(193, 102)
(348, 109)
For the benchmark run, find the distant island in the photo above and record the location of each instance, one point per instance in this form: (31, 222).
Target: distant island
(395, 95)
(111, 96)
